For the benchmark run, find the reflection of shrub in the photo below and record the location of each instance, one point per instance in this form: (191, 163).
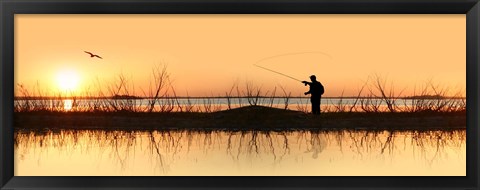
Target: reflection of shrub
(163, 145)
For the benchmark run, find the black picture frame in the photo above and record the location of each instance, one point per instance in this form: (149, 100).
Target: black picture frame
(9, 8)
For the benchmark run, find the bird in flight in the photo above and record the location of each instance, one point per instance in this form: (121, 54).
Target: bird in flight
(93, 55)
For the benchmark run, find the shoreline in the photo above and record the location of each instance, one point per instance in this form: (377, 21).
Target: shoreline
(245, 118)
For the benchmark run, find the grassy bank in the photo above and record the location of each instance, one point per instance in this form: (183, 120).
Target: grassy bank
(244, 118)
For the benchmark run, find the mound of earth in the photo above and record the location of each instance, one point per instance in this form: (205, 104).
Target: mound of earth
(255, 110)
(259, 117)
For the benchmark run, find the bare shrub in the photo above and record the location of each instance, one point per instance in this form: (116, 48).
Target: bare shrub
(158, 89)
(253, 94)
(286, 97)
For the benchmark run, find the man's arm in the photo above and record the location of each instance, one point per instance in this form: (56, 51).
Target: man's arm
(307, 83)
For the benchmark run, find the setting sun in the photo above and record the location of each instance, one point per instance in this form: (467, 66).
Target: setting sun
(342, 50)
(67, 80)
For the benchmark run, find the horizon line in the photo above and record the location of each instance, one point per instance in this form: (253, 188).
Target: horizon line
(224, 97)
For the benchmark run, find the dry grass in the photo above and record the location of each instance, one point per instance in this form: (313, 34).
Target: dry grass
(375, 96)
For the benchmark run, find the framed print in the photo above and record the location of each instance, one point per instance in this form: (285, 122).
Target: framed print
(239, 94)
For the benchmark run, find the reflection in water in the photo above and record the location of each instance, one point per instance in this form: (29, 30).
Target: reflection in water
(186, 152)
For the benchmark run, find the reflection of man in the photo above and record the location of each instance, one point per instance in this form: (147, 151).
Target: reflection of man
(316, 91)
(317, 145)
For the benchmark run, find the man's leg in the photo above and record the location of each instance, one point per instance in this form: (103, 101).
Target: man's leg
(319, 103)
(315, 106)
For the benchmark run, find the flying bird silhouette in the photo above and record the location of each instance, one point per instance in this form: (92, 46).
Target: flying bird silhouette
(93, 55)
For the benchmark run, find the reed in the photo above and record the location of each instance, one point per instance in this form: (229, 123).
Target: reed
(229, 95)
(374, 96)
(286, 97)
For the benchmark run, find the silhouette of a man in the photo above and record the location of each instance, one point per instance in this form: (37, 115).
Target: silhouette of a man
(316, 91)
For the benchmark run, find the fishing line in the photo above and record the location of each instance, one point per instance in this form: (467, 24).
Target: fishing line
(287, 54)
(294, 53)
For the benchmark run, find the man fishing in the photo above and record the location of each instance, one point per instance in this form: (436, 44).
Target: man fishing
(316, 91)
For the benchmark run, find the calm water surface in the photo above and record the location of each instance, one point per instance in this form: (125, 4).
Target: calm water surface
(217, 104)
(316, 153)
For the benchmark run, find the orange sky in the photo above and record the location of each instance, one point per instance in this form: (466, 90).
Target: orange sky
(206, 54)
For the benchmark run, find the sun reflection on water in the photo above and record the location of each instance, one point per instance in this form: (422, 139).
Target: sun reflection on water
(67, 105)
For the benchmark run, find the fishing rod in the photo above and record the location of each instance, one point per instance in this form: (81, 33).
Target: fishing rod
(277, 72)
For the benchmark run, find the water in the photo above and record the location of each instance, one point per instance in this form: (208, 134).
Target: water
(213, 153)
(218, 104)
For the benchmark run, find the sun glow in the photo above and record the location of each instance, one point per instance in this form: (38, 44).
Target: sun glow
(67, 80)
(67, 105)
